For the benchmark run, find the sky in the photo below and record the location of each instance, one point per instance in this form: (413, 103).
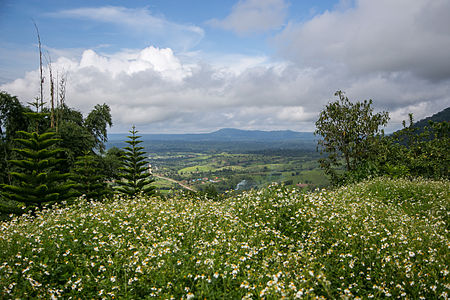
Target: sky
(172, 66)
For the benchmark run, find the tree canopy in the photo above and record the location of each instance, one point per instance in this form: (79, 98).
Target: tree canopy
(23, 129)
(38, 182)
(349, 133)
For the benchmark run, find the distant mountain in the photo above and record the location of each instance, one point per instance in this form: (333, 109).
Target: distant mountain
(258, 135)
(441, 116)
(227, 139)
(226, 135)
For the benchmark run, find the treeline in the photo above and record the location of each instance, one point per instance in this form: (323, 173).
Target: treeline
(57, 154)
(356, 148)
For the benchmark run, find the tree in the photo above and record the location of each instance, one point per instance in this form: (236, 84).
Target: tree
(418, 150)
(112, 162)
(78, 134)
(75, 135)
(135, 177)
(91, 178)
(350, 134)
(38, 183)
(97, 122)
(12, 119)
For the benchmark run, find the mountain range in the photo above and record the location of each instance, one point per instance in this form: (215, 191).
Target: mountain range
(225, 135)
(230, 139)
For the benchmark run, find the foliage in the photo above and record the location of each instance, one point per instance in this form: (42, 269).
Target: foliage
(97, 122)
(376, 239)
(75, 137)
(135, 177)
(418, 151)
(91, 178)
(76, 134)
(350, 134)
(111, 162)
(442, 116)
(38, 183)
(12, 119)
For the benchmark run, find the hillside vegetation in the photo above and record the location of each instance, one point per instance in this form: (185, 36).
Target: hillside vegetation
(374, 239)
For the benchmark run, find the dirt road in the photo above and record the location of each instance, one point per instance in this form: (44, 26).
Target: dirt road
(177, 182)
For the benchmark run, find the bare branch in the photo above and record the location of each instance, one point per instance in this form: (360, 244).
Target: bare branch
(40, 66)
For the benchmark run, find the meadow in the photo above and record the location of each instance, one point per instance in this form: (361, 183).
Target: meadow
(375, 239)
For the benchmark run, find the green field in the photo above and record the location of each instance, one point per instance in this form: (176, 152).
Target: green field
(377, 239)
(224, 171)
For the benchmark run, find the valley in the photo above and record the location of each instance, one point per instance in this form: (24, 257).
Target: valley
(230, 159)
(236, 171)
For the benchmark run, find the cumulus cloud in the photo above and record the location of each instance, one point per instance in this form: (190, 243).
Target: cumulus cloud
(254, 16)
(375, 36)
(153, 86)
(160, 91)
(140, 22)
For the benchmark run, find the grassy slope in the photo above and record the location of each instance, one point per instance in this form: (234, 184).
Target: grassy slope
(378, 238)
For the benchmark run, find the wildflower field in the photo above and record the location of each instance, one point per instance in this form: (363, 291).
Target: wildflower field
(375, 239)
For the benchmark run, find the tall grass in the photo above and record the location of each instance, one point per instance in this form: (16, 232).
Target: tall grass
(375, 239)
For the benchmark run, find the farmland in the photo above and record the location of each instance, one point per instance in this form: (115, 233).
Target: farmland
(223, 159)
(224, 171)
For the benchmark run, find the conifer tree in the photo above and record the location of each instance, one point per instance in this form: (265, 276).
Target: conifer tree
(90, 178)
(38, 182)
(135, 176)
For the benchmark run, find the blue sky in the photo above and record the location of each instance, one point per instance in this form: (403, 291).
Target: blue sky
(196, 66)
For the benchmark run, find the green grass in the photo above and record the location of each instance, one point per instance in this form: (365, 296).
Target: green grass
(196, 169)
(381, 238)
(162, 183)
(317, 176)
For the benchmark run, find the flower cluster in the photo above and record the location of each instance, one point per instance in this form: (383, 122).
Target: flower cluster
(381, 238)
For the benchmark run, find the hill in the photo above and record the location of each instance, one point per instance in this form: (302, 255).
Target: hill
(375, 239)
(442, 116)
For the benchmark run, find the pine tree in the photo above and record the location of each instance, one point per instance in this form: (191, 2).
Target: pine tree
(90, 178)
(135, 176)
(38, 183)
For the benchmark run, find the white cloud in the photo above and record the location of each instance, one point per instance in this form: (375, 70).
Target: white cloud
(254, 16)
(295, 114)
(375, 36)
(140, 22)
(153, 86)
(161, 61)
(160, 91)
